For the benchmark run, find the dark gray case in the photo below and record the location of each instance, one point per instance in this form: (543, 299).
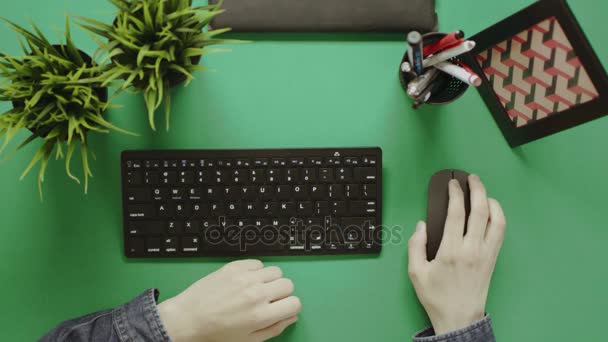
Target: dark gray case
(327, 15)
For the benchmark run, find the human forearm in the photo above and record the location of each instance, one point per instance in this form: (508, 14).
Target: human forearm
(136, 320)
(479, 331)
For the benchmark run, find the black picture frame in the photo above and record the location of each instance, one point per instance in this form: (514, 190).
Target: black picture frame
(556, 122)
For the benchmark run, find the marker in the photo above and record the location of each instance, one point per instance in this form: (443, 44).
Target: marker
(421, 82)
(414, 39)
(443, 56)
(447, 42)
(460, 73)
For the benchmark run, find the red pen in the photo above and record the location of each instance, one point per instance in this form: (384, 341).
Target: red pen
(447, 42)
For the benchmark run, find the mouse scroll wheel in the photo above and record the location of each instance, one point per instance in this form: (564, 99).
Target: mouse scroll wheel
(452, 173)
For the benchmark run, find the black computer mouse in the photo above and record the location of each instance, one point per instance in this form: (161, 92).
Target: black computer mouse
(437, 207)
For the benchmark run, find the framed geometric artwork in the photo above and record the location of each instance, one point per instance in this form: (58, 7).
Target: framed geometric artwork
(540, 74)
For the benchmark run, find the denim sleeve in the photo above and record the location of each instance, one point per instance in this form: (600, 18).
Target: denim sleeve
(480, 331)
(138, 320)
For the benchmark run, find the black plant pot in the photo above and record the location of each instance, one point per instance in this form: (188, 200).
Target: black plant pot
(102, 93)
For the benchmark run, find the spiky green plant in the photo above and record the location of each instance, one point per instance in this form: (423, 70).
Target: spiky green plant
(52, 97)
(153, 41)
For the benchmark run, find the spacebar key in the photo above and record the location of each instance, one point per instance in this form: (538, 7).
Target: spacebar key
(140, 211)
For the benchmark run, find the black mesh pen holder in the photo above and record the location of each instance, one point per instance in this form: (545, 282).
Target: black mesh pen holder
(453, 89)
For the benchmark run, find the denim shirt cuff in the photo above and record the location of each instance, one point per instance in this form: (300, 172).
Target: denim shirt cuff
(138, 320)
(480, 331)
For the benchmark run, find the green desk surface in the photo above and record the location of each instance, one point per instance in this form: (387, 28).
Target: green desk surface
(63, 258)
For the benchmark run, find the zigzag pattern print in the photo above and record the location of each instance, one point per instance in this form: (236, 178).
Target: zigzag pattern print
(537, 73)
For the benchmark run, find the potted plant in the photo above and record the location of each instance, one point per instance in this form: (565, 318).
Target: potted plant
(155, 45)
(52, 97)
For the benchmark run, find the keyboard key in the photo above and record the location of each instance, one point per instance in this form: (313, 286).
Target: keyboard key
(257, 176)
(139, 228)
(224, 163)
(260, 162)
(308, 175)
(300, 191)
(212, 192)
(217, 209)
(296, 161)
(252, 209)
(315, 161)
(239, 176)
(138, 194)
(291, 175)
(190, 244)
(369, 160)
(168, 178)
(338, 208)
(304, 209)
(333, 161)
(181, 210)
(175, 227)
(135, 246)
(231, 192)
(365, 174)
(192, 227)
(351, 161)
(249, 193)
(369, 190)
(233, 209)
(140, 211)
(134, 178)
(170, 245)
(321, 208)
(243, 163)
(336, 191)
(153, 245)
(186, 177)
(177, 193)
(353, 191)
(151, 177)
(266, 192)
(344, 175)
(273, 176)
(202, 176)
(362, 207)
(194, 193)
(326, 175)
(365, 223)
(163, 210)
(220, 176)
(318, 191)
(270, 208)
(278, 162)
(283, 192)
(287, 208)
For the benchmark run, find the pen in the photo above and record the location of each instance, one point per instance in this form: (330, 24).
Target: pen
(443, 56)
(460, 73)
(414, 39)
(415, 87)
(447, 42)
(437, 86)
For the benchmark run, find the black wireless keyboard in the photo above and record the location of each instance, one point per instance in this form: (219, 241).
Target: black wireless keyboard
(190, 203)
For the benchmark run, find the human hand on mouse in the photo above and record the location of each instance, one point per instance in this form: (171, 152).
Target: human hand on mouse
(454, 286)
(241, 302)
